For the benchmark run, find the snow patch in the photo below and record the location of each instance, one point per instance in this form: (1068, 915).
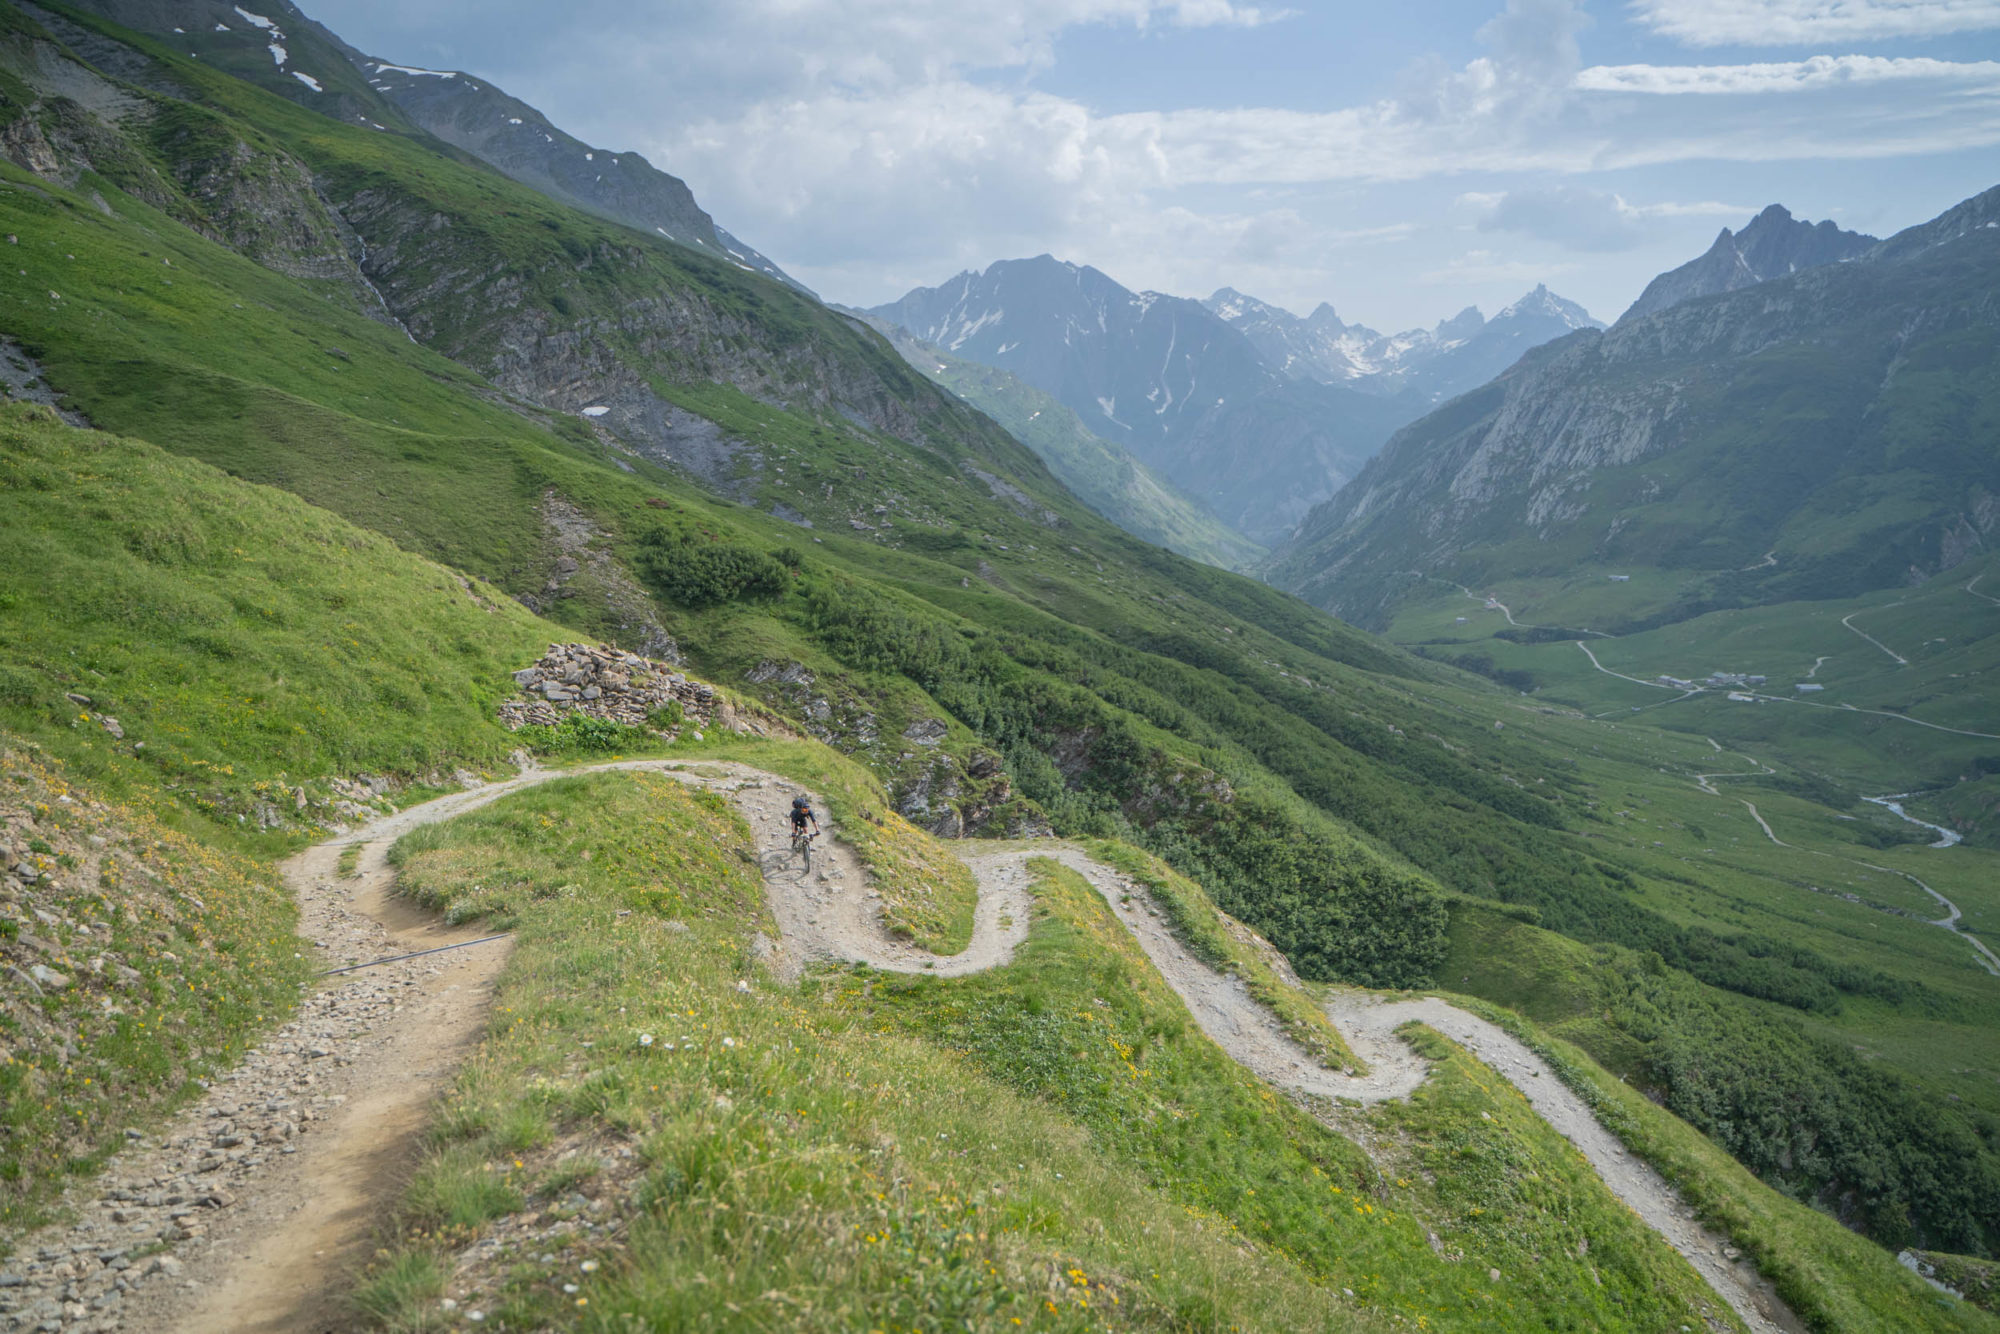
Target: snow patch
(590, 157)
(383, 68)
(278, 54)
(597, 411)
(309, 81)
(222, 27)
(513, 120)
(971, 327)
(255, 20)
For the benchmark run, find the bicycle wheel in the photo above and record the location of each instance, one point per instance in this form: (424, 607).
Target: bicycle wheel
(805, 856)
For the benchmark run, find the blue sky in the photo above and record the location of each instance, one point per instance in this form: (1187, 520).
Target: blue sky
(1401, 160)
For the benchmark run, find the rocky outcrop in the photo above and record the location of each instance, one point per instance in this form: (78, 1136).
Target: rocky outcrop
(605, 682)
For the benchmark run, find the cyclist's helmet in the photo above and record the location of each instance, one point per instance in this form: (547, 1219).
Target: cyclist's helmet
(799, 803)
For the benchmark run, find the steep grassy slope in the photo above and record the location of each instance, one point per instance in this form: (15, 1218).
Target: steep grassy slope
(1002, 659)
(306, 418)
(134, 961)
(248, 647)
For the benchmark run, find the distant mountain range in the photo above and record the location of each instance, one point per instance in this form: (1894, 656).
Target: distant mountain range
(1460, 354)
(1253, 411)
(280, 49)
(1102, 474)
(1820, 433)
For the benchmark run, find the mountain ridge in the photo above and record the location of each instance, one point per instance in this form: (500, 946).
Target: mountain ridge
(1456, 355)
(898, 578)
(1833, 369)
(300, 59)
(1772, 245)
(1163, 376)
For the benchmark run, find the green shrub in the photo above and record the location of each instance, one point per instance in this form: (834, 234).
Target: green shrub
(581, 734)
(707, 574)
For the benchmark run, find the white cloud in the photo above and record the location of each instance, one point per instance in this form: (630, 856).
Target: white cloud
(1484, 266)
(868, 144)
(938, 171)
(1806, 22)
(1577, 218)
(1792, 76)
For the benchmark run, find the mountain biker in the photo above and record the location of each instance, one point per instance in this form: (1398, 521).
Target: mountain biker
(802, 812)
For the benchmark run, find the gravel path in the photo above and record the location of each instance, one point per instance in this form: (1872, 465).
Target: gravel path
(256, 1203)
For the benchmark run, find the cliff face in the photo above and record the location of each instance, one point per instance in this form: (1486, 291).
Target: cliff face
(146, 138)
(1842, 417)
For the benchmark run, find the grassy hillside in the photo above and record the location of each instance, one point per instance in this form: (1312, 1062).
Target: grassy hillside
(997, 657)
(192, 664)
(135, 961)
(248, 647)
(1051, 1142)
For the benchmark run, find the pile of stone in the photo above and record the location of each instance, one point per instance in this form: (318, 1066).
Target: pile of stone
(604, 682)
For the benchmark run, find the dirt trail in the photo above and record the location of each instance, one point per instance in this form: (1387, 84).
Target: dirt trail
(1370, 1024)
(1252, 1037)
(367, 1055)
(1848, 621)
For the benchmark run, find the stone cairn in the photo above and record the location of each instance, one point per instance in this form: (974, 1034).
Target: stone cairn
(603, 682)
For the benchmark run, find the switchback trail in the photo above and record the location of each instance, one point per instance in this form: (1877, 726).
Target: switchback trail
(334, 1101)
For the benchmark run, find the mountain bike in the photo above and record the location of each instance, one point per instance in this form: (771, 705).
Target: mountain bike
(802, 848)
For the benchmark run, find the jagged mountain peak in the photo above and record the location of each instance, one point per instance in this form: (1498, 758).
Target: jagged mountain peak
(1325, 317)
(1542, 303)
(1552, 450)
(1460, 326)
(1771, 245)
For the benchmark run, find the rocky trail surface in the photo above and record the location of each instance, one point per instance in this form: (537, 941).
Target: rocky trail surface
(252, 1208)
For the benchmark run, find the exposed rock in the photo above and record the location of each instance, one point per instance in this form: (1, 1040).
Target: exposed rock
(783, 673)
(926, 731)
(605, 682)
(983, 764)
(585, 567)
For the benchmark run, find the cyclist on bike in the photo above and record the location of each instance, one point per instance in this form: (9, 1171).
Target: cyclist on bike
(802, 812)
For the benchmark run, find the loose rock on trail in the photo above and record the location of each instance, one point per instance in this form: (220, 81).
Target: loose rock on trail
(257, 1203)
